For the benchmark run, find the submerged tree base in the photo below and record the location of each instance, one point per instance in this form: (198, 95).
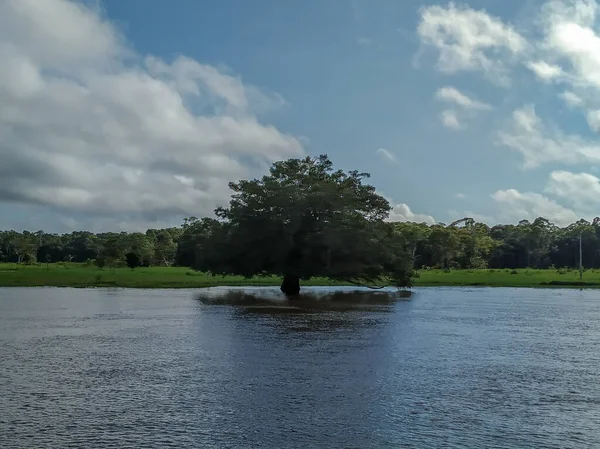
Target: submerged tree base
(290, 286)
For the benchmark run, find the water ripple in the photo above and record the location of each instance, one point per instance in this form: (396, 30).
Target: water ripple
(452, 368)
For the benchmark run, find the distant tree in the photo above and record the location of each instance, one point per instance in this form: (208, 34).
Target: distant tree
(443, 242)
(304, 220)
(415, 235)
(140, 244)
(25, 247)
(165, 249)
(100, 262)
(194, 231)
(113, 250)
(133, 260)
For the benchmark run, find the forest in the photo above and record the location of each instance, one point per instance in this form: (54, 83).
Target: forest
(464, 244)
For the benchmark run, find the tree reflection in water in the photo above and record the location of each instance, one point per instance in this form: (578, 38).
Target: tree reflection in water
(315, 310)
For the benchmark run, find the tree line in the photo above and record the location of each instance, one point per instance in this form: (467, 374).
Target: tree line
(305, 219)
(465, 244)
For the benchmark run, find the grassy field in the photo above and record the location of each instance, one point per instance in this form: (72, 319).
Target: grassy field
(78, 275)
(509, 278)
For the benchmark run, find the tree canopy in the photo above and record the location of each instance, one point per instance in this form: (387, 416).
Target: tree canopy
(302, 220)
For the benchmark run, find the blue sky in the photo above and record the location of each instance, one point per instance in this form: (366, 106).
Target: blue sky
(133, 114)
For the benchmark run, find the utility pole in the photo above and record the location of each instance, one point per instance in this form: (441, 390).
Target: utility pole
(580, 259)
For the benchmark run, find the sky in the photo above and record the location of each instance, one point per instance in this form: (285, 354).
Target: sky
(125, 115)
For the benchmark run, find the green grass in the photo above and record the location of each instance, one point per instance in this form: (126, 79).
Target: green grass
(509, 278)
(79, 275)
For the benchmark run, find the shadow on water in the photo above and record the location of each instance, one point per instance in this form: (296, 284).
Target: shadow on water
(313, 300)
(315, 310)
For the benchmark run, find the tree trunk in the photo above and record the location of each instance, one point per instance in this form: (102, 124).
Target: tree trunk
(290, 285)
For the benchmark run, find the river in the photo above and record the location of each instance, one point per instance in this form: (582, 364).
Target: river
(450, 368)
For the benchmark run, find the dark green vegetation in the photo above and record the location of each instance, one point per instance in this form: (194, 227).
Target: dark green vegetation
(82, 275)
(306, 221)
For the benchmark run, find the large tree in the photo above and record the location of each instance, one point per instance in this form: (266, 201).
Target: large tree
(302, 220)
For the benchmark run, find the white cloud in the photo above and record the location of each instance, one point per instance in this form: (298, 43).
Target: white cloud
(581, 47)
(572, 48)
(58, 35)
(450, 119)
(539, 143)
(387, 155)
(460, 196)
(470, 40)
(515, 206)
(466, 108)
(89, 126)
(545, 71)
(564, 53)
(571, 99)
(364, 40)
(582, 190)
(453, 95)
(401, 212)
(580, 12)
(593, 119)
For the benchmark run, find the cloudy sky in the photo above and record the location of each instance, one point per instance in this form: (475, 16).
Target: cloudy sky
(132, 114)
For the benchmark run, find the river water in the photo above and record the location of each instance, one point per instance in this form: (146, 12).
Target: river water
(450, 368)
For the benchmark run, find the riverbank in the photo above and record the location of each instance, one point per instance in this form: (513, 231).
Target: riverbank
(79, 275)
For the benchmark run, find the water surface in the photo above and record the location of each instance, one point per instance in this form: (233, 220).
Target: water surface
(453, 368)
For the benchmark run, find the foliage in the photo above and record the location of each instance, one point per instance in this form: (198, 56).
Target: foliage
(302, 220)
(133, 260)
(466, 245)
(155, 247)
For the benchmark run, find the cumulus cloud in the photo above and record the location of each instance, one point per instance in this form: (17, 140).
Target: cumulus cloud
(388, 155)
(465, 107)
(571, 99)
(90, 126)
(545, 71)
(449, 119)
(401, 212)
(566, 48)
(562, 50)
(470, 40)
(453, 95)
(593, 119)
(579, 12)
(515, 206)
(540, 143)
(582, 190)
(570, 50)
